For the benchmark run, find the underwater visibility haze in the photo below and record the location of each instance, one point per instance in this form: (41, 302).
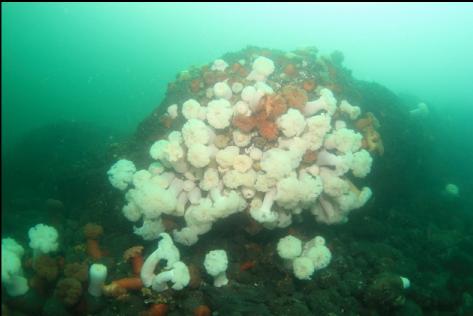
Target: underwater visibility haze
(237, 159)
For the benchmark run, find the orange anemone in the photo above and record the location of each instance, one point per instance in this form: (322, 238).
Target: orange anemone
(166, 120)
(158, 310)
(295, 97)
(309, 85)
(290, 70)
(133, 283)
(273, 105)
(195, 85)
(93, 231)
(244, 123)
(93, 248)
(247, 265)
(119, 288)
(309, 156)
(202, 310)
(134, 254)
(371, 138)
(268, 130)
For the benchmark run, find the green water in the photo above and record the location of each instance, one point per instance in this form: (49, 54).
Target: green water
(79, 79)
(109, 64)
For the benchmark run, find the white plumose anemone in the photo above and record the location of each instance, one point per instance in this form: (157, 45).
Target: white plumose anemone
(216, 263)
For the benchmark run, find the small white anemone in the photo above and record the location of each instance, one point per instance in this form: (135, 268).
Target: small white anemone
(289, 247)
(262, 68)
(223, 90)
(43, 239)
(344, 140)
(198, 155)
(226, 156)
(292, 123)
(219, 113)
(303, 268)
(216, 263)
(242, 163)
(195, 131)
(242, 108)
(219, 65)
(277, 162)
(241, 139)
(255, 153)
(352, 111)
(172, 111)
(191, 109)
(121, 173)
(210, 179)
(237, 87)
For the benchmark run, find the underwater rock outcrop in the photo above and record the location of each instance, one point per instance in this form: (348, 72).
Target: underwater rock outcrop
(265, 135)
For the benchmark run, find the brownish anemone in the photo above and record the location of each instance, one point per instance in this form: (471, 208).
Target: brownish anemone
(369, 120)
(273, 106)
(195, 85)
(372, 141)
(268, 130)
(46, 267)
(295, 97)
(211, 77)
(114, 290)
(239, 70)
(269, 109)
(93, 231)
(290, 70)
(202, 310)
(77, 271)
(368, 126)
(69, 290)
(309, 85)
(166, 120)
(244, 123)
(309, 156)
(195, 277)
(134, 254)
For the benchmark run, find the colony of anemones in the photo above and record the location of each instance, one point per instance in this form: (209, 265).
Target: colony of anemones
(249, 146)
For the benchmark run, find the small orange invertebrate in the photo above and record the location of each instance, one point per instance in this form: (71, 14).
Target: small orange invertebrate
(166, 121)
(247, 265)
(195, 85)
(238, 69)
(134, 254)
(113, 290)
(372, 141)
(158, 310)
(119, 288)
(202, 310)
(244, 123)
(290, 70)
(268, 130)
(195, 279)
(273, 106)
(93, 248)
(371, 138)
(133, 283)
(295, 97)
(309, 85)
(309, 156)
(93, 231)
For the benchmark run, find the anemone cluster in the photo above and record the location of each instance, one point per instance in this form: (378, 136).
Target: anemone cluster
(304, 259)
(43, 240)
(13, 278)
(249, 143)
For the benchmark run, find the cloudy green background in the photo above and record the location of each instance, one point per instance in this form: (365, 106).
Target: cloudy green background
(109, 64)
